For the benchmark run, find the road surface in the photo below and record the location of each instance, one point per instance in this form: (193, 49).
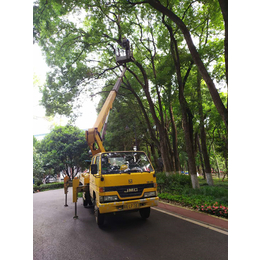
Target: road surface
(57, 236)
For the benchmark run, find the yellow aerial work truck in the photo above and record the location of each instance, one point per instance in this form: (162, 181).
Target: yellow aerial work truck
(120, 181)
(117, 181)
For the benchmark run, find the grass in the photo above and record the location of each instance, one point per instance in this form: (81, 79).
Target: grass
(178, 189)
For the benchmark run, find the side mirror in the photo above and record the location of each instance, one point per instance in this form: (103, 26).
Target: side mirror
(93, 169)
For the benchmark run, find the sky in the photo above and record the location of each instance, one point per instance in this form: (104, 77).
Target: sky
(41, 125)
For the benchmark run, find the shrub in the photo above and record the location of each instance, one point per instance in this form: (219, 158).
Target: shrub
(213, 193)
(37, 181)
(175, 182)
(178, 188)
(186, 200)
(215, 209)
(49, 186)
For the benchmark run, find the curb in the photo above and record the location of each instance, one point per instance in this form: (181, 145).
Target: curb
(193, 216)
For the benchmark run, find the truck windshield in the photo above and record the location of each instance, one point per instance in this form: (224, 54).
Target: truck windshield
(125, 162)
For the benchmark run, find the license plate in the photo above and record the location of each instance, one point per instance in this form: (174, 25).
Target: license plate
(131, 206)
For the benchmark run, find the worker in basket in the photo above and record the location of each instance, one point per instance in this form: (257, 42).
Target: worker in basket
(126, 45)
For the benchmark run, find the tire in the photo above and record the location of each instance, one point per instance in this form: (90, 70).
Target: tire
(145, 213)
(100, 218)
(87, 203)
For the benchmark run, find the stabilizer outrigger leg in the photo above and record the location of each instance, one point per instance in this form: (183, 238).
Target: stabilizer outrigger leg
(76, 189)
(76, 216)
(67, 184)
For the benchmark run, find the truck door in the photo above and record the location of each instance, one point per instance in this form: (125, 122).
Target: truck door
(94, 178)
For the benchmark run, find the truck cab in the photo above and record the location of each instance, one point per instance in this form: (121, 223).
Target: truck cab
(121, 181)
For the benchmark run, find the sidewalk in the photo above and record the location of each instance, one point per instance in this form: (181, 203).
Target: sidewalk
(195, 215)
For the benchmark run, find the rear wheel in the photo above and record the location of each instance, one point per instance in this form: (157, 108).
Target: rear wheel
(87, 200)
(145, 213)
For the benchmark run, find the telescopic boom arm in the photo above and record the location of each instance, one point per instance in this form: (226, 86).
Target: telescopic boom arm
(93, 134)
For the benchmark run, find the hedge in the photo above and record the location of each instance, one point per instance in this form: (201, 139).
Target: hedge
(49, 186)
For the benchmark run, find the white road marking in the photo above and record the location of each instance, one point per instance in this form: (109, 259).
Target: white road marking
(194, 221)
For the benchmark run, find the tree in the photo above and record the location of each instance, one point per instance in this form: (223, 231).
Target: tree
(224, 9)
(167, 11)
(38, 171)
(65, 149)
(162, 80)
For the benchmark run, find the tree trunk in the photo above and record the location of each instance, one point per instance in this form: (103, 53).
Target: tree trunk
(203, 135)
(201, 160)
(188, 142)
(175, 143)
(206, 157)
(168, 163)
(224, 9)
(196, 57)
(148, 151)
(152, 146)
(216, 161)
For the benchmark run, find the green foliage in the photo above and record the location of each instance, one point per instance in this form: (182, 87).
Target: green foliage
(215, 193)
(37, 181)
(173, 183)
(38, 170)
(126, 124)
(79, 52)
(177, 188)
(63, 149)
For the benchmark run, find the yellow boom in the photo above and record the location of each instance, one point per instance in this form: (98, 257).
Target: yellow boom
(93, 134)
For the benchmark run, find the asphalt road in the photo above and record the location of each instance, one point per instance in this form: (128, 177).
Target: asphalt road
(57, 236)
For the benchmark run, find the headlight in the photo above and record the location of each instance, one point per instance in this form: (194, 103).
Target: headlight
(150, 194)
(108, 198)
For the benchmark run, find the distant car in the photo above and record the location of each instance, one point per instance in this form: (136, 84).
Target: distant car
(50, 179)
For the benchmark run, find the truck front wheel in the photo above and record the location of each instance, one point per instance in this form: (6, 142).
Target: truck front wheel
(145, 213)
(99, 217)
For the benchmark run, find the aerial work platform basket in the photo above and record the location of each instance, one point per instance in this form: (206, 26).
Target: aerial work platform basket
(126, 58)
(127, 53)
